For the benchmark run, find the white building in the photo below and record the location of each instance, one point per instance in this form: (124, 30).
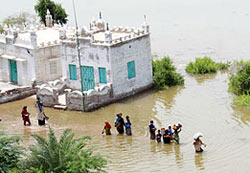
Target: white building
(30, 55)
(120, 56)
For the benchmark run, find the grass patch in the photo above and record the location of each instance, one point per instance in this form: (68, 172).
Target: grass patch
(164, 74)
(205, 65)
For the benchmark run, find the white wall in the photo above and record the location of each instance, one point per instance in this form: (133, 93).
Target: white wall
(91, 55)
(138, 50)
(25, 76)
(44, 56)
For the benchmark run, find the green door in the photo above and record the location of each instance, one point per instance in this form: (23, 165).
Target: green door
(13, 71)
(88, 79)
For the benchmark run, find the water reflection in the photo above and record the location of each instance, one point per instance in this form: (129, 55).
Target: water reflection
(242, 113)
(199, 161)
(178, 155)
(200, 79)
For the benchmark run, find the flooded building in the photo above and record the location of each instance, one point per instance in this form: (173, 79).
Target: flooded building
(30, 54)
(114, 63)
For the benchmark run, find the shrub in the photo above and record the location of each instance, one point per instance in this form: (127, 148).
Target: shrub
(66, 155)
(10, 152)
(164, 74)
(242, 100)
(205, 65)
(239, 83)
(223, 66)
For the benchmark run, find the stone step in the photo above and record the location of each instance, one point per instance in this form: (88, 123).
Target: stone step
(60, 107)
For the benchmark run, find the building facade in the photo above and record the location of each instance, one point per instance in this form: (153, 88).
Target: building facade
(120, 56)
(31, 54)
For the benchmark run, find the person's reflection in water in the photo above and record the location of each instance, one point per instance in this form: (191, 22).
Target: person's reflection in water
(153, 145)
(27, 133)
(178, 155)
(199, 161)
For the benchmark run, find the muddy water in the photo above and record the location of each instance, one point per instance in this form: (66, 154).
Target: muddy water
(202, 105)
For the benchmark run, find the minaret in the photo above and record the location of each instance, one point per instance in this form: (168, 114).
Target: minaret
(48, 19)
(145, 25)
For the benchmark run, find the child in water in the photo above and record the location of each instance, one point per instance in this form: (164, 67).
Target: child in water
(128, 126)
(107, 128)
(158, 136)
(25, 115)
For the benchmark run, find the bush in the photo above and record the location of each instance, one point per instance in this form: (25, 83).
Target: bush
(242, 100)
(205, 65)
(164, 74)
(223, 66)
(10, 152)
(239, 83)
(66, 155)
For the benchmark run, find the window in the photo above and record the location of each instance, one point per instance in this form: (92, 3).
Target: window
(72, 72)
(53, 68)
(102, 75)
(131, 69)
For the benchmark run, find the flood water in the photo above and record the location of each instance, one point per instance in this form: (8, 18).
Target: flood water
(184, 30)
(203, 104)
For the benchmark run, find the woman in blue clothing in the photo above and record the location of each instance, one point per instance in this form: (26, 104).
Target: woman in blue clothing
(128, 126)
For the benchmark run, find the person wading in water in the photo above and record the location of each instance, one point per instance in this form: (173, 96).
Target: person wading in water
(25, 115)
(197, 145)
(152, 130)
(119, 123)
(128, 126)
(107, 128)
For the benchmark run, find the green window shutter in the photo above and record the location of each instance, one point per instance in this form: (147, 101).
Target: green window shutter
(72, 72)
(131, 69)
(102, 75)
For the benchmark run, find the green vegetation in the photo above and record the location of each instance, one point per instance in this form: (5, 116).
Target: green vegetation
(59, 14)
(242, 100)
(1, 29)
(64, 155)
(20, 20)
(10, 152)
(205, 65)
(239, 83)
(164, 74)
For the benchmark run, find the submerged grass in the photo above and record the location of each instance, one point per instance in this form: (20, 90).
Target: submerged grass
(242, 100)
(205, 65)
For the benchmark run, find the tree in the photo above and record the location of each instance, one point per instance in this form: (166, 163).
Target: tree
(164, 73)
(20, 20)
(59, 14)
(66, 155)
(10, 152)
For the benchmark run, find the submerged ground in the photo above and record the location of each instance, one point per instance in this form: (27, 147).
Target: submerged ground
(203, 104)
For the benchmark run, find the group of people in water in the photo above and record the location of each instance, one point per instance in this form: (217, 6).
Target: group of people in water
(171, 134)
(168, 135)
(41, 117)
(119, 123)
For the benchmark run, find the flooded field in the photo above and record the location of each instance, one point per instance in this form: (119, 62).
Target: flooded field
(203, 104)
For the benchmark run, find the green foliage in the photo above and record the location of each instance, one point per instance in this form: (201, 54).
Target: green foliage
(66, 155)
(223, 66)
(59, 14)
(201, 66)
(10, 152)
(239, 83)
(1, 29)
(164, 74)
(242, 100)
(205, 65)
(19, 20)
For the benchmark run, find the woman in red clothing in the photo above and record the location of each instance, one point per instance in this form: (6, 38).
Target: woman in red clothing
(25, 115)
